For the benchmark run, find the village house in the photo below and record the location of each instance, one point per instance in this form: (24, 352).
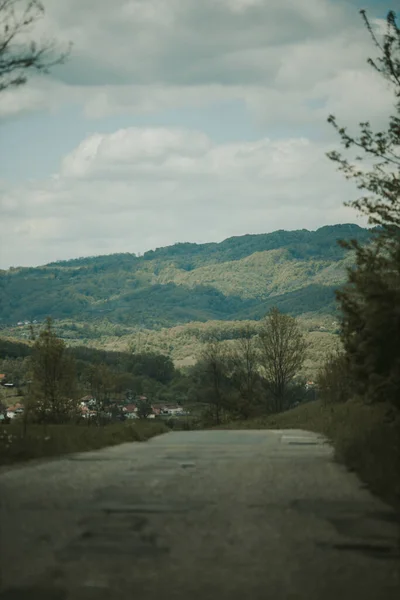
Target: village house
(130, 411)
(15, 410)
(171, 409)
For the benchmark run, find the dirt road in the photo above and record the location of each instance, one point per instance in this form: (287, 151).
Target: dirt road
(196, 515)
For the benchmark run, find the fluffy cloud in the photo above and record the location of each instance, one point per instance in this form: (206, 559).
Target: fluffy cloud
(140, 188)
(289, 63)
(282, 58)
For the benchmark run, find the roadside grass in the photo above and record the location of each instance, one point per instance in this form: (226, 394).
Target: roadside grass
(366, 439)
(52, 440)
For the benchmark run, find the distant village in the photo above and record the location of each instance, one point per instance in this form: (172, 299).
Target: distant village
(89, 407)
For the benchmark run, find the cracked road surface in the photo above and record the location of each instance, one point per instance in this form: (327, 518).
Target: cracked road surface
(196, 515)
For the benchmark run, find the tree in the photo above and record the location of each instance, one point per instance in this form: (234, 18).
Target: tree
(283, 351)
(211, 375)
(370, 324)
(18, 56)
(333, 379)
(101, 384)
(52, 395)
(381, 177)
(370, 301)
(245, 377)
(144, 408)
(153, 365)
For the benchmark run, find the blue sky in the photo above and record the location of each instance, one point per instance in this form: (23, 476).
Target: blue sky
(177, 120)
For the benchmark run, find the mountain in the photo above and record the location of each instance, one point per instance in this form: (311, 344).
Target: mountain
(239, 278)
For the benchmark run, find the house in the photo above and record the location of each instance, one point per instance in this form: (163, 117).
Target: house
(88, 401)
(130, 411)
(17, 406)
(15, 410)
(172, 410)
(84, 410)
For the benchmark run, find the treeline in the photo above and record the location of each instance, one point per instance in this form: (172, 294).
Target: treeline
(162, 292)
(83, 371)
(151, 306)
(257, 373)
(302, 244)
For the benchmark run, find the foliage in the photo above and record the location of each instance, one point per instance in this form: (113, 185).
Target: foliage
(382, 149)
(245, 377)
(52, 392)
(210, 375)
(17, 59)
(370, 301)
(144, 408)
(333, 380)
(111, 378)
(283, 351)
(239, 278)
(371, 324)
(10, 349)
(253, 375)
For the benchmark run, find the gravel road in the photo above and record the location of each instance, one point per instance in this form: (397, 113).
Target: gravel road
(196, 515)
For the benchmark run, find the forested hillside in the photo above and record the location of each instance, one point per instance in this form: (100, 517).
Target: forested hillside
(239, 278)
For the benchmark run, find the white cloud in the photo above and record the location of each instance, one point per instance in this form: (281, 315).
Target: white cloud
(290, 63)
(279, 56)
(140, 188)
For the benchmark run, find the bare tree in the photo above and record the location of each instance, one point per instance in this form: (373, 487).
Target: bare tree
(245, 377)
(18, 55)
(283, 351)
(212, 376)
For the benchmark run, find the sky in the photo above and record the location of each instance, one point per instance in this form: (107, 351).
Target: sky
(183, 121)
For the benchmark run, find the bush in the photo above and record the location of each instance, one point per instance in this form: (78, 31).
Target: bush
(333, 379)
(186, 424)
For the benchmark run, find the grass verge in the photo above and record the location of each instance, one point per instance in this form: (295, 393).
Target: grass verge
(366, 439)
(54, 440)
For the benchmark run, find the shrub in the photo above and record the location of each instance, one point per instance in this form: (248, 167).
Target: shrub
(333, 380)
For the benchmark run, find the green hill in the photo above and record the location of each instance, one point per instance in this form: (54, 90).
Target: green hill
(239, 278)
